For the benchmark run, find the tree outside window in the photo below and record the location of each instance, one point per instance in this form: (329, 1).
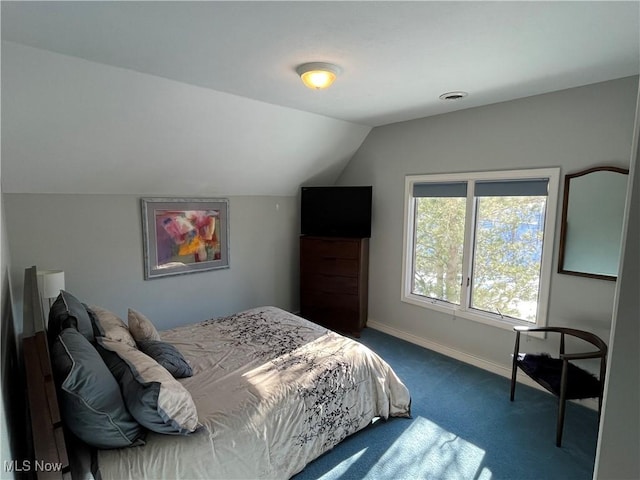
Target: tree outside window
(480, 244)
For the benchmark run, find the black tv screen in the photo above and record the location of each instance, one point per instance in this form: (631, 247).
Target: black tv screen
(337, 211)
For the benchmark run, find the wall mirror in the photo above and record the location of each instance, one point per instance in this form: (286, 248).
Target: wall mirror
(592, 215)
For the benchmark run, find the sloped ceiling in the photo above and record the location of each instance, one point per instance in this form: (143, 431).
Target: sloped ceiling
(74, 126)
(202, 97)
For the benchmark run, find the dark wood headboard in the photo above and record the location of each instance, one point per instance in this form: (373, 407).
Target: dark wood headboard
(50, 459)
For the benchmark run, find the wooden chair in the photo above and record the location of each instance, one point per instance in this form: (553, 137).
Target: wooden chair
(558, 375)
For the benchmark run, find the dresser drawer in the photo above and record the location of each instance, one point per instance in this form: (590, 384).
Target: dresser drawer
(317, 282)
(330, 266)
(325, 248)
(336, 318)
(316, 299)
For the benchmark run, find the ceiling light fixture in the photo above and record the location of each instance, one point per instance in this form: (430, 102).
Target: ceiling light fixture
(453, 95)
(318, 75)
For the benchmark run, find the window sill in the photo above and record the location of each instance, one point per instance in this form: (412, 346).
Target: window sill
(456, 311)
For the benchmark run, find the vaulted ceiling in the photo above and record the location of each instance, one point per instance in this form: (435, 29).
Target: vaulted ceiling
(202, 97)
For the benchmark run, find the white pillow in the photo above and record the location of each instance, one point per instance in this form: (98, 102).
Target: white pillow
(141, 327)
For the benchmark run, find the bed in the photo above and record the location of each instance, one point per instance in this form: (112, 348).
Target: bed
(271, 393)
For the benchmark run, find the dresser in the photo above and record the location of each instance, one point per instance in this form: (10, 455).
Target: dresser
(334, 282)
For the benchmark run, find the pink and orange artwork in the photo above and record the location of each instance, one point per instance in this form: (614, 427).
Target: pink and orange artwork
(184, 235)
(187, 236)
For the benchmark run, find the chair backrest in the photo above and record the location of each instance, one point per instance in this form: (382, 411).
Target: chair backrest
(586, 336)
(591, 338)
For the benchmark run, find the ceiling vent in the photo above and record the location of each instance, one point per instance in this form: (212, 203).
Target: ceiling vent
(453, 95)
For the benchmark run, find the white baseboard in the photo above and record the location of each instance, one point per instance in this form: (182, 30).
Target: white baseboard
(466, 358)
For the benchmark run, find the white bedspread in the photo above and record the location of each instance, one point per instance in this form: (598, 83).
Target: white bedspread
(273, 392)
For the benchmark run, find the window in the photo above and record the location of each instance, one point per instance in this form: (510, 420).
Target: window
(479, 245)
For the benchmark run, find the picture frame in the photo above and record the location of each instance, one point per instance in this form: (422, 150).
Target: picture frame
(184, 235)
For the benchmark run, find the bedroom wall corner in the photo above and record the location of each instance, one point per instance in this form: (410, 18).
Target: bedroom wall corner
(6, 452)
(12, 410)
(618, 443)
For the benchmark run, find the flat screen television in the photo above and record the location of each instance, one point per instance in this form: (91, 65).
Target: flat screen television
(337, 211)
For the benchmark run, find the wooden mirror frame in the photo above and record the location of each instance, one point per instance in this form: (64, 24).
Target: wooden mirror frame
(563, 227)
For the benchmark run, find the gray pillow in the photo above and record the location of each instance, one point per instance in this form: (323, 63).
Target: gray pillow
(91, 404)
(168, 356)
(68, 312)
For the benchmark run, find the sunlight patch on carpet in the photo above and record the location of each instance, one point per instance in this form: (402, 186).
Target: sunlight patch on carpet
(434, 453)
(343, 467)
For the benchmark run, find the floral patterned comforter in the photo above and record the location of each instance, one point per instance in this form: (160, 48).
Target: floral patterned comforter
(273, 392)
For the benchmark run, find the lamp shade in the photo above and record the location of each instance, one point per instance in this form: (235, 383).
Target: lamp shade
(318, 75)
(52, 282)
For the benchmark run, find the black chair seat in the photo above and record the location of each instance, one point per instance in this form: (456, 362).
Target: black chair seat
(547, 371)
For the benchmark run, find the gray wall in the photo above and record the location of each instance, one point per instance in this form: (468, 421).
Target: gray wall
(573, 129)
(8, 446)
(97, 241)
(619, 441)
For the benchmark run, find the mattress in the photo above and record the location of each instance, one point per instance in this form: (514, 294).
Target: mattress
(273, 391)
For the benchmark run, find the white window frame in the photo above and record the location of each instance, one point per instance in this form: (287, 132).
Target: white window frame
(464, 310)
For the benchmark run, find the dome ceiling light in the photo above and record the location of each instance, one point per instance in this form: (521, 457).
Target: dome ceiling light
(318, 75)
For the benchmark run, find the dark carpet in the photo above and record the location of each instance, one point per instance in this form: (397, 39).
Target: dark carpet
(463, 426)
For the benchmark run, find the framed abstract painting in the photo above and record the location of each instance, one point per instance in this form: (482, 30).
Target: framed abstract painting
(184, 235)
